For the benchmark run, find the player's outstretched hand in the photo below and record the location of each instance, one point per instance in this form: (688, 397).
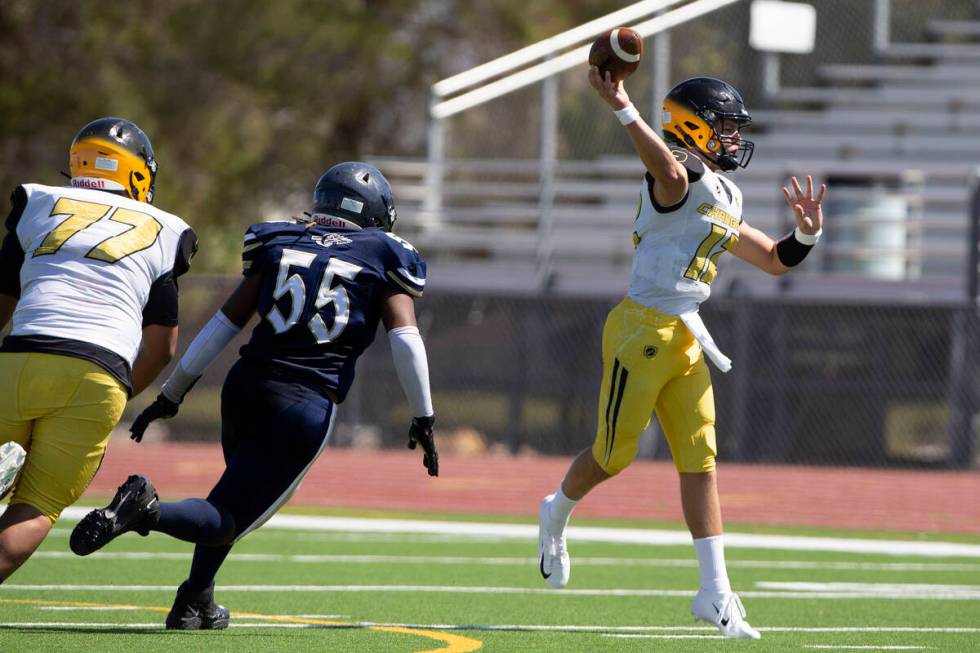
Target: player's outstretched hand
(807, 208)
(160, 408)
(420, 432)
(612, 92)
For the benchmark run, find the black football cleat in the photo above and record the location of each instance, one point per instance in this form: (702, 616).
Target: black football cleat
(134, 508)
(196, 610)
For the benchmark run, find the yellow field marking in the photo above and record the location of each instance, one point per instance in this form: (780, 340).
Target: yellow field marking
(454, 643)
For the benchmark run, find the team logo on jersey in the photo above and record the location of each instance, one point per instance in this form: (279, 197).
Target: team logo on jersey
(328, 240)
(714, 213)
(650, 351)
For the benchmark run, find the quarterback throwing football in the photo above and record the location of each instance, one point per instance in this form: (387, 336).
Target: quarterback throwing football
(654, 342)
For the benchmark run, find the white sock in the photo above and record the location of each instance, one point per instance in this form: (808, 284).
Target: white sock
(711, 558)
(561, 509)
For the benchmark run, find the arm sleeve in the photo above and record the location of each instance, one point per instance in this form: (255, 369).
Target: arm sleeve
(207, 344)
(412, 366)
(11, 252)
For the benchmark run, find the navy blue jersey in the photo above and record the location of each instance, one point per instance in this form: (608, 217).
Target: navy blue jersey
(321, 296)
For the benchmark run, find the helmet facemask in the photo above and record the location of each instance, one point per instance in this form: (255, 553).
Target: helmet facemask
(719, 141)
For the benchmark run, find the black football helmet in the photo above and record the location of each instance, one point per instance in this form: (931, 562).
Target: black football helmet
(114, 155)
(694, 109)
(355, 192)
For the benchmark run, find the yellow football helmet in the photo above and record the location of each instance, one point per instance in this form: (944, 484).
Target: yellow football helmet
(692, 111)
(113, 154)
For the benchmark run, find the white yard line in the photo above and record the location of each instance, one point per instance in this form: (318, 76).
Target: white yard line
(885, 590)
(155, 625)
(132, 608)
(529, 532)
(621, 631)
(644, 629)
(854, 647)
(89, 608)
(524, 561)
(662, 636)
(910, 593)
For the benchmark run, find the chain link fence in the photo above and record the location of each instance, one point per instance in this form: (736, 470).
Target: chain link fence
(843, 383)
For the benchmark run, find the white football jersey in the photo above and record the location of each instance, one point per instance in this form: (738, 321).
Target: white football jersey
(678, 247)
(90, 259)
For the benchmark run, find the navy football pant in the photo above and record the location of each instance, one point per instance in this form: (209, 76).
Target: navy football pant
(272, 430)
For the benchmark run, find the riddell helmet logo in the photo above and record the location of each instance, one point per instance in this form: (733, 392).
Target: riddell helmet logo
(88, 183)
(326, 220)
(96, 183)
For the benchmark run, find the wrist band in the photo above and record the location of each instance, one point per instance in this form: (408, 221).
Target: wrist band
(628, 114)
(807, 239)
(791, 250)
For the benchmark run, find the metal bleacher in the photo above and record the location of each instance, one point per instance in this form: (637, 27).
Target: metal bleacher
(904, 127)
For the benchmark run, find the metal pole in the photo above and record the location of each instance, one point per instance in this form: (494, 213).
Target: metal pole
(660, 65)
(882, 25)
(436, 170)
(548, 157)
(965, 374)
(770, 73)
(973, 260)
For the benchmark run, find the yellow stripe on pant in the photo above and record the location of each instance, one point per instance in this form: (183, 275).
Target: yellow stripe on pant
(62, 411)
(652, 363)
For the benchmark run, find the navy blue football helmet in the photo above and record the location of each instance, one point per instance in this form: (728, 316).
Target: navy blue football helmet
(355, 192)
(692, 113)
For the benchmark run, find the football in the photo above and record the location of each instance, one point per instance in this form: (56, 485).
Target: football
(617, 51)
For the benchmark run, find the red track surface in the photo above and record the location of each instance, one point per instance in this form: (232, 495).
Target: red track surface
(751, 494)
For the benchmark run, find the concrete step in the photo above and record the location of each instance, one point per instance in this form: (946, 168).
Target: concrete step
(866, 120)
(871, 74)
(954, 28)
(934, 51)
(937, 100)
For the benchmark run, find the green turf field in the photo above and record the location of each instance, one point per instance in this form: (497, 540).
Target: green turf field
(324, 589)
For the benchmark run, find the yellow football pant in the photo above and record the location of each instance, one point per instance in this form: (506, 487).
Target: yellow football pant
(61, 410)
(652, 363)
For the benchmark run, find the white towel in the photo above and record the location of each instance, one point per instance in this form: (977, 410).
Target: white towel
(700, 332)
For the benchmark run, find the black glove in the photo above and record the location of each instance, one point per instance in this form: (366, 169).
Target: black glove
(420, 432)
(160, 408)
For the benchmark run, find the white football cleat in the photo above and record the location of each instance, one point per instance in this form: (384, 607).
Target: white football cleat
(12, 457)
(552, 555)
(725, 612)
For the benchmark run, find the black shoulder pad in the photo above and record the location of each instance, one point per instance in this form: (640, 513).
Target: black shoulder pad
(18, 201)
(186, 249)
(694, 165)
